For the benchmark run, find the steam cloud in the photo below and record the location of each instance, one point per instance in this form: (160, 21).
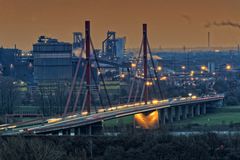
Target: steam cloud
(223, 24)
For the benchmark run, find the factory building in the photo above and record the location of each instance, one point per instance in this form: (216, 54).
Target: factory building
(7, 60)
(113, 48)
(120, 47)
(52, 60)
(23, 67)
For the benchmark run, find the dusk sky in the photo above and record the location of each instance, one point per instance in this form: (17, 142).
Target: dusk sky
(171, 23)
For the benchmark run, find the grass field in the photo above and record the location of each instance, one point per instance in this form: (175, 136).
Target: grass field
(225, 115)
(120, 121)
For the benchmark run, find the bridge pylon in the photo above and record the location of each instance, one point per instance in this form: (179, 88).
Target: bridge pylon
(146, 78)
(87, 76)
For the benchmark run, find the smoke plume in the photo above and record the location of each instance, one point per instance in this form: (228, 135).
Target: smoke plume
(223, 24)
(187, 18)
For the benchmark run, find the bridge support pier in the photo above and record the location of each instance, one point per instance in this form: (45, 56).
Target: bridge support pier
(60, 133)
(78, 131)
(178, 113)
(94, 129)
(197, 110)
(185, 112)
(171, 114)
(163, 115)
(72, 132)
(191, 111)
(203, 109)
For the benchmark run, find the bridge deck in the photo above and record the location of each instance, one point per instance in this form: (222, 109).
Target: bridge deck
(76, 120)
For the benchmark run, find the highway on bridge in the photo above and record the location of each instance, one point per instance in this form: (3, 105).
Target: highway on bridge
(40, 126)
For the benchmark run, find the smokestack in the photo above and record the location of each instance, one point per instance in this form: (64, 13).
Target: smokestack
(209, 40)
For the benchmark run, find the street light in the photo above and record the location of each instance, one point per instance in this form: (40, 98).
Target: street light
(204, 68)
(183, 67)
(228, 67)
(192, 73)
(148, 83)
(122, 75)
(164, 78)
(159, 68)
(133, 65)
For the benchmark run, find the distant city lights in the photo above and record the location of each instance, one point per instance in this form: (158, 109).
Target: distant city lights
(148, 83)
(183, 67)
(228, 67)
(133, 65)
(159, 68)
(204, 68)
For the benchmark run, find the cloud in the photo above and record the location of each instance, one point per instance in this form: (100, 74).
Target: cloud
(223, 24)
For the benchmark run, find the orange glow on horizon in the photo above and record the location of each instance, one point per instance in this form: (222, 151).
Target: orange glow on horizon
(171, 23)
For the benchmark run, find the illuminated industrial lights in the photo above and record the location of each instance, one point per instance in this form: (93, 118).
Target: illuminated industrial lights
(204, 68)
(148, 83)
(11, 66)
(192, 73)
(22, 83)
(133, 65)
(164, 78)
(183, 67)
(190, 94)
(228, 67)
(159, 68)
(122, 75)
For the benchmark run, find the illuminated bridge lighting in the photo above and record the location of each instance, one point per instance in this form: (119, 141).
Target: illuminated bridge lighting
(149, 121)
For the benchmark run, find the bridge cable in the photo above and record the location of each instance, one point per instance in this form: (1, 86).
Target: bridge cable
(84, 100)
(155, 72)
(73, 82)
(133, 81)
(142, 93)
(101, 76)
(152, 79)
(80, 89)
(100, 97)
(137, 91)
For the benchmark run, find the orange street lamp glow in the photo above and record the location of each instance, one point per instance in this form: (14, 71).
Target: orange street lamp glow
(133, 65)
(204, 68)
(122, 75)
(164, 78)
(159, 68)
(192, 73)
(148, 83)
(228, 67)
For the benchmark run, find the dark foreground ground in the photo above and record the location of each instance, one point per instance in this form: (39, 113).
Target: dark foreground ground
(150, 145)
